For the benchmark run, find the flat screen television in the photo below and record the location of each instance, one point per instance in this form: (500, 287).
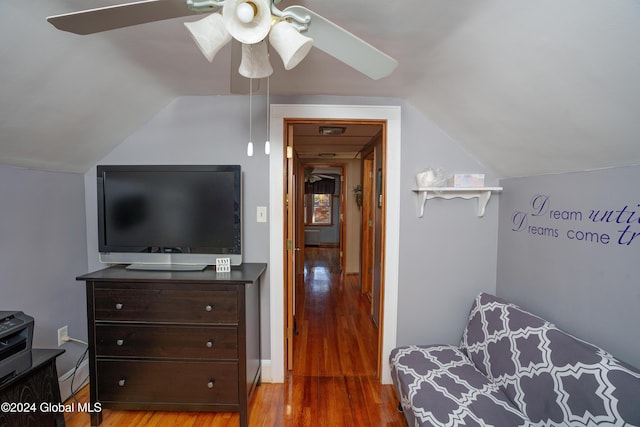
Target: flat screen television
(169, 217)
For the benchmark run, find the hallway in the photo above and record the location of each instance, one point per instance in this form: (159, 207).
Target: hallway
(335, 351)
(336, 336)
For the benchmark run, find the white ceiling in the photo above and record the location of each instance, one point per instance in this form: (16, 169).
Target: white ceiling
(528, 87)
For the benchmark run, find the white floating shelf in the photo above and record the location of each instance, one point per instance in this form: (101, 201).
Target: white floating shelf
(483, 194)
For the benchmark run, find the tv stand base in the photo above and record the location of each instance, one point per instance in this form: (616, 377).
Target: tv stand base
(166, 267)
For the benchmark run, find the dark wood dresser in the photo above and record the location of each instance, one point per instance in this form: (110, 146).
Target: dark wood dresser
(187, 341)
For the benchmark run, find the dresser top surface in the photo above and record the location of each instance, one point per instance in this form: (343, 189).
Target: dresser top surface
(244, 273)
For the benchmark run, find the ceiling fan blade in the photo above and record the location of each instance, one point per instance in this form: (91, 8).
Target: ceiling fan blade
(124, 15)
(345, 46)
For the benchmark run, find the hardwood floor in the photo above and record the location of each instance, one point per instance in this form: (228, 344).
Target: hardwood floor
(336, 334)
(333, 382)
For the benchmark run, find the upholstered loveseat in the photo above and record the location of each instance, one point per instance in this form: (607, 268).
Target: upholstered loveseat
(514, 369)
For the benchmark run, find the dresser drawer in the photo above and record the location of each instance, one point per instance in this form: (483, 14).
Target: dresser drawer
(166, 305)
(189, 342)
(168, 382)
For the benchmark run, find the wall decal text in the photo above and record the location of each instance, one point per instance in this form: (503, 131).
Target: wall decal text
(618, 225)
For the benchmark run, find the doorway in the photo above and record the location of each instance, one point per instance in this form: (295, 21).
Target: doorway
(316, 202)
(275, 368)
(330, 325)
(323, 213)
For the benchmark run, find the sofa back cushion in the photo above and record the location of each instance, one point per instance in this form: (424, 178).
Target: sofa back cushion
(551, 376)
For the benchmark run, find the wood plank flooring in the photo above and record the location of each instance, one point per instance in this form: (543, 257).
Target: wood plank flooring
(336, 334)
(333, 382)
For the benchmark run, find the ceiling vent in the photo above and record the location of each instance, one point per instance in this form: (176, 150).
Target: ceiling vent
(332, 130)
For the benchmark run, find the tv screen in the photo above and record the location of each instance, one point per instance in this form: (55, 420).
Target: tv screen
(170, 216)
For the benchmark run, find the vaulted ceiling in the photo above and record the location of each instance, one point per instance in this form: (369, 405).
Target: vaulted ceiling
(527, 87)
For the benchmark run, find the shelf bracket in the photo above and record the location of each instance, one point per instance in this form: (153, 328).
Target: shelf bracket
(482, 194)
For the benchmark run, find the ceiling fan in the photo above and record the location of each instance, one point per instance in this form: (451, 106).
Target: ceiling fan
(312, 177)
(318, 174)
(291, 31)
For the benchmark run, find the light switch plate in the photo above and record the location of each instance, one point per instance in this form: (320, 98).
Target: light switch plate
(261, 214)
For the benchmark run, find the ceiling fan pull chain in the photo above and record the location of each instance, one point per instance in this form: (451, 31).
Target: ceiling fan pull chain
(267, 144)
(250, 144)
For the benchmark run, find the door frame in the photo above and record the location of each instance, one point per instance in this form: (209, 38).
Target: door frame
(278, 114)
(366, 228)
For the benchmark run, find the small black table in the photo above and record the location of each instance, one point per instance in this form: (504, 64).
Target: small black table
(32, 398)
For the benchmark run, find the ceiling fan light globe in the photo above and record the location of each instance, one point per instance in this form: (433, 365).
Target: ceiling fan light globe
(292, 46)
(210, 34)
(255, 61)
(245, 12)
(253, 31)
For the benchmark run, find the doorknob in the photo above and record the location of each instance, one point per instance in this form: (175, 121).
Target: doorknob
(296, 249)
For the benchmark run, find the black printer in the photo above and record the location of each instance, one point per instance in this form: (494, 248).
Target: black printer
(16, 336)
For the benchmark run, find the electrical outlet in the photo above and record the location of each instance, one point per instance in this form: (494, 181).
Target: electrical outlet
(63, 335)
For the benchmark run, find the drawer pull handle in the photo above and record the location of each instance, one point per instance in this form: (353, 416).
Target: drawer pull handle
(211, 383)
(209, 307)
(120, 342)
(122, 382)
(119, 306)
(209, 343)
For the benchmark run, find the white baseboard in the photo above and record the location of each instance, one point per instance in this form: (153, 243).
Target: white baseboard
(81, 378)
(267, 376)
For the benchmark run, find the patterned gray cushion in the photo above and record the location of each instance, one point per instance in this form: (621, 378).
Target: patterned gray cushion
(551, 376)
(514, 369)
(439, 386)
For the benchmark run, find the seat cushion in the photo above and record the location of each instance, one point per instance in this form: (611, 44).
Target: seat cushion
(439, 386)
(549, 375)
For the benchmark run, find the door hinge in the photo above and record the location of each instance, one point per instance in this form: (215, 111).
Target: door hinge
(289, 244)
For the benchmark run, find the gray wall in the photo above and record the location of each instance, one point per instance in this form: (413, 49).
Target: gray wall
(42, 250)
(449, 255)
(559, 263)
(435, 293)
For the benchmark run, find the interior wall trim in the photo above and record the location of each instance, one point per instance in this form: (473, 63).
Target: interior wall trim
(278, 113)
